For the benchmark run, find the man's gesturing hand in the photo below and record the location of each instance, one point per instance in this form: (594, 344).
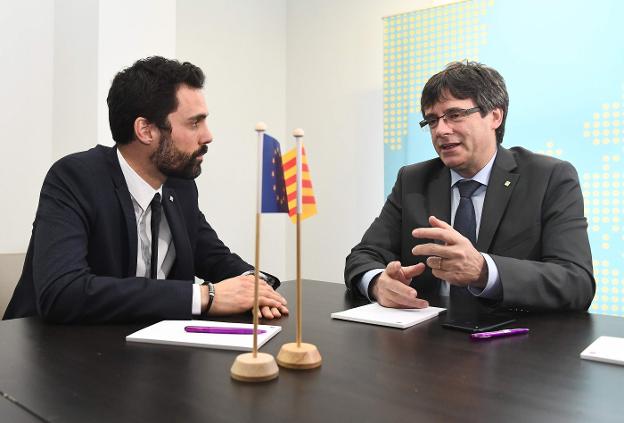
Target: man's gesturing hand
(391, 289)
(454, 259)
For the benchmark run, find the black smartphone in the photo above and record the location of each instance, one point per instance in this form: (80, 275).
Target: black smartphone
(480, 323)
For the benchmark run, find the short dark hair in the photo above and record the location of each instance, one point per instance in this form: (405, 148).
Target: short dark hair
(484, 85)
(147, 89)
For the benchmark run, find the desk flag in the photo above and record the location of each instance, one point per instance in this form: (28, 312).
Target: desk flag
(290, 174)
(273, 186)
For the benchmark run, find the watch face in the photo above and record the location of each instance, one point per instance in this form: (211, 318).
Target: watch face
(274, 282)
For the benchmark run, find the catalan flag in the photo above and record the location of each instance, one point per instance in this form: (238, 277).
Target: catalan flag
(290, 174)
(273, 186)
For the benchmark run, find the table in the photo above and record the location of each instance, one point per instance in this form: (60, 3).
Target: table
(369, 373)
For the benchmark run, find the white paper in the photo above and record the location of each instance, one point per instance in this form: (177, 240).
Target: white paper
(172, 332)
(375, 314)
(607, 349)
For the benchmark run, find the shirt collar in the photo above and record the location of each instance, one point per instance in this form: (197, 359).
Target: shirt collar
(483, 176)
(141, 191)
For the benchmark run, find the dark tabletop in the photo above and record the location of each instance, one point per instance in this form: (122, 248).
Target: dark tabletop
(369, 373)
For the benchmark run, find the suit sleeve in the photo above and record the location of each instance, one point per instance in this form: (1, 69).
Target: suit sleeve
(381, 242)
(214, 261)
(562, 279)
(66, 289)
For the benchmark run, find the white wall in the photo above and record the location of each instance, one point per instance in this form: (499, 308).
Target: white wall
(26, 71)
(76, 24)
(241, 46)
(129, 30)
(334, 91)
(315, 64)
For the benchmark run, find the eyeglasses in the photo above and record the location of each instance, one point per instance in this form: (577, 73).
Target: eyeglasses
(451, 115)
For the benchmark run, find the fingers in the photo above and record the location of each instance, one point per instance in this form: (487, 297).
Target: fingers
(401, 296)
(266, 312)
(236, 295)
(446, 236)
(404, 274)
(439, 231)
(431, 249)
(267, 290)
(435, 263)
(391, 292)
(271, 313)
(438, 223)
(393, 269)
(392, 288)
(264, 289)
(410, 272)
(268, 302)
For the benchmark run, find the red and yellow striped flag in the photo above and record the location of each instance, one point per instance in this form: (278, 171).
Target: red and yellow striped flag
(290, 175)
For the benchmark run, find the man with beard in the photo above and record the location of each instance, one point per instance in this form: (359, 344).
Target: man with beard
(485, 225)
(118, 235)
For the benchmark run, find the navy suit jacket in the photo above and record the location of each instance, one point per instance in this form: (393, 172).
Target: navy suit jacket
(81, 260)
(532, 225)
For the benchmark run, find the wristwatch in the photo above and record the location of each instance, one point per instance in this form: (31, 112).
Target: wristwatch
(211, 294)
(270, 279)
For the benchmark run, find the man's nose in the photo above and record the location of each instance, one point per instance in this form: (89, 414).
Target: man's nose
(207, 135)
(442, 127)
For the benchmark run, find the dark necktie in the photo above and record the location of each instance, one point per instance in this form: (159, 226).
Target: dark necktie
(156, 212)
(465, 223)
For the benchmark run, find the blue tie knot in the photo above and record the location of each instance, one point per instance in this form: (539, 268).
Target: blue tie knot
(467, 187)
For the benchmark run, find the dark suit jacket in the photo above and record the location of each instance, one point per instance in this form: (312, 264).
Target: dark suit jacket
(81, 261)
(534, 229)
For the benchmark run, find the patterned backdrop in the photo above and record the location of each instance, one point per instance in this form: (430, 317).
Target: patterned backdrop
(563, 63)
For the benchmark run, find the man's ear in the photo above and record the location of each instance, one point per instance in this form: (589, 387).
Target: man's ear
(143, 130)
(497, 118)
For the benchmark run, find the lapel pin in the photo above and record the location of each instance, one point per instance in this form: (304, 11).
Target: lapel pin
(171, 198)
(507, 183)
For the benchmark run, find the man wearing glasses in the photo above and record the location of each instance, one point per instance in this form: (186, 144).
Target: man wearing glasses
(502, 227)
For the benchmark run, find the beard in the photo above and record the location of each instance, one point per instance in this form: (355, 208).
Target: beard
(172, 162)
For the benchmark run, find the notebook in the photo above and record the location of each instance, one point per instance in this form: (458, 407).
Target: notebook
(375, 314)
(607, 349)
(172, 332)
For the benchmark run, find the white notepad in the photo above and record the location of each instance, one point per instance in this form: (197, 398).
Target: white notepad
(375, 314)
(607, 349)
(172, 332)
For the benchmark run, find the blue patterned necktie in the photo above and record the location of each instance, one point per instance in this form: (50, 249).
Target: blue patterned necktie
(465, 223)
(465, 219)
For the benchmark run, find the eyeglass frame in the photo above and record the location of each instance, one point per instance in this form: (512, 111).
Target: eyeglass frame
(463, 113)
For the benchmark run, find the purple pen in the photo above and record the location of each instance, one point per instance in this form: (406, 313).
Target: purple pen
(223, 330)
(499, 333)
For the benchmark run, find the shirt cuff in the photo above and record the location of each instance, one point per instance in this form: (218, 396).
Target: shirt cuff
(493, 289)
(196, 305)
(363, 283)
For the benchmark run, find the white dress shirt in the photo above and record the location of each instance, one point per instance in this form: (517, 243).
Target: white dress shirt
(142, 194)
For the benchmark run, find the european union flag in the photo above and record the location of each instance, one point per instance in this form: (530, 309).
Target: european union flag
(273, 187)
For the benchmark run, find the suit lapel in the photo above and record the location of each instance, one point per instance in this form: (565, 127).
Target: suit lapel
(184, 268)
(123, 195)
(500, 187)
(439, 205)
(440, 195)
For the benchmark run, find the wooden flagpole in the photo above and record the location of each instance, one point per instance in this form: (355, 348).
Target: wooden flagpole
(255, 366)
(299, 355)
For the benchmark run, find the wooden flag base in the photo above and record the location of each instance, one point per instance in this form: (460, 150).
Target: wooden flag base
(247, 368)
(305, 356)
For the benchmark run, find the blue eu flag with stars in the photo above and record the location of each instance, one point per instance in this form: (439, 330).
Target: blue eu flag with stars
(273, 187)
